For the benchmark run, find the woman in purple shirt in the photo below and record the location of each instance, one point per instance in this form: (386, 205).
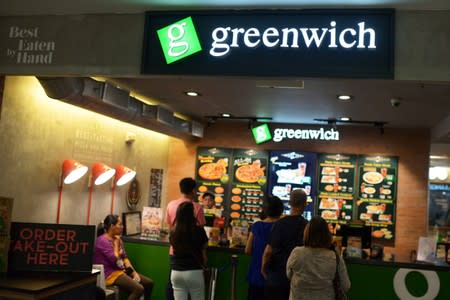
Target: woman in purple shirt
(110, 252)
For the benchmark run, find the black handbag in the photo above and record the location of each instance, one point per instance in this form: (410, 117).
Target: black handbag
(339, 293)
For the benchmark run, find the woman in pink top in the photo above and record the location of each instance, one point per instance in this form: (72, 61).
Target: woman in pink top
(110, 252)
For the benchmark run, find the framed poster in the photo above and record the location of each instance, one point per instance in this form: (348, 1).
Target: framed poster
(151, 221)
(336, 187)
(291, 170)
(377, 194)
(131, 222)
(212, 174)
(248, 185)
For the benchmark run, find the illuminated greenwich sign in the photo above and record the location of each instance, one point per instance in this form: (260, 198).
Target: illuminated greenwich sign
(280, 134)
(263, 134)
(225, 38)
(314, 43)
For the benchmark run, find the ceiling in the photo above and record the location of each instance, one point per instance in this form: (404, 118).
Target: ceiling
(49, 7)
(422, 104)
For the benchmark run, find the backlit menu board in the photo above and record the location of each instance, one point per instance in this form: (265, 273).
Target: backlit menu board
(290, 170)
(377, 195)
(336, 187)
(213, 173)
(248, 186)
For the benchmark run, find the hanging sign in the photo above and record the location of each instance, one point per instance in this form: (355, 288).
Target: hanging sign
(317, 43)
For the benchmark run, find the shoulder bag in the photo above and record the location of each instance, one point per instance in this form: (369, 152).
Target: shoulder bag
(339, 293)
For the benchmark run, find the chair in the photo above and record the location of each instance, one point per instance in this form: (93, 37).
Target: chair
(112, 293)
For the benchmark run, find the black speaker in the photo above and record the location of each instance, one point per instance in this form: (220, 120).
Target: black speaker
(115, 96)
(62, 87)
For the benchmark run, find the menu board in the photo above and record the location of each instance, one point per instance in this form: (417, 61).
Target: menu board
(377, 195)
(290, 170)
(248, 186)
(336, 186)
(213, 173)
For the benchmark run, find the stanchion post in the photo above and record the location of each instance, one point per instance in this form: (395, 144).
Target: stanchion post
(234, 262)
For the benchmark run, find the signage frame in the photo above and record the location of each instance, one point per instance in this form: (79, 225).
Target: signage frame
(249, 63)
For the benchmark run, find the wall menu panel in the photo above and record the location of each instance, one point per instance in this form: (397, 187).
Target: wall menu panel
(213, 173)
(336, 187)
(248, 185)
(290, 170)
(377, 195)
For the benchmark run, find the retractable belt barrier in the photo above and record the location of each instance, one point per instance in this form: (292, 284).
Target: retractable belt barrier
(216, 271)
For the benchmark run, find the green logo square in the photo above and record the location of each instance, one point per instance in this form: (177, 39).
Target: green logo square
(179, 40)
(261, 133)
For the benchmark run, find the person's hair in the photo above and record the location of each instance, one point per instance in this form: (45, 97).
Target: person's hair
(106, 224)
(207, 194)
(187, 185)
(298, 198)
(185, 222)
(273, 207)
(316, 234)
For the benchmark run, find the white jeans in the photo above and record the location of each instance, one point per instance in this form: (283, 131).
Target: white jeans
(186, 283)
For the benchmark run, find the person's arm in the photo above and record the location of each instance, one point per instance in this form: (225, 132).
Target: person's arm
(343, 275)
(103, 246)
(127, 263)
(249, 245)
(168, 222)
(201, 221)
(204, 256)
(265, 260)
(292, 262)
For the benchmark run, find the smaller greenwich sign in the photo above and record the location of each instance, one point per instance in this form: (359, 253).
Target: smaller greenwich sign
(263, 134)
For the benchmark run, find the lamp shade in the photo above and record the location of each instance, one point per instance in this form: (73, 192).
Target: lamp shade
(101, 173)
(72, 171)
(123, 175)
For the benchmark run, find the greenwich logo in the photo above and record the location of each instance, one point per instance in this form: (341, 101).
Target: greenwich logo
(305, 134)
(180, 39)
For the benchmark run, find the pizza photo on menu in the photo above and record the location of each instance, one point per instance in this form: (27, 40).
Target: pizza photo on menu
(213, 171)
(250, 173)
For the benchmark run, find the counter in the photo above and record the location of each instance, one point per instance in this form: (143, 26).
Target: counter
(371, 279)
(51, 286)
(151, 257)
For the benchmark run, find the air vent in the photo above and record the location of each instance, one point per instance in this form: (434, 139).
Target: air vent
(164, 116)
(197, 129)
(181, 124)
(115, 96)
(149, 111)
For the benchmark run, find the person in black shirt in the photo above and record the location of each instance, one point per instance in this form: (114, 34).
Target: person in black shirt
(287, 233)
(189, 243)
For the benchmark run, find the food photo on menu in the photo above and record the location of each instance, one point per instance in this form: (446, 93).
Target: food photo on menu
(290, 170)
(248, 186)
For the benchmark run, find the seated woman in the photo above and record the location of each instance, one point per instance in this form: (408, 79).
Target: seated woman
(110, 252)
(312, 267)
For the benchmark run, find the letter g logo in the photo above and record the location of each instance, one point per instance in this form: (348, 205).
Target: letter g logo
(176, 33)
(179, 40)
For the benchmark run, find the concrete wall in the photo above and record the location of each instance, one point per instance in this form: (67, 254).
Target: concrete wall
(410, 145)
(38, 133)
(102, 45)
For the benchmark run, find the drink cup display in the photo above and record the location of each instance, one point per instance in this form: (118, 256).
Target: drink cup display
(301, 169)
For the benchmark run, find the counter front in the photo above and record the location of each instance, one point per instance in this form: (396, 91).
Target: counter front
(370, 279)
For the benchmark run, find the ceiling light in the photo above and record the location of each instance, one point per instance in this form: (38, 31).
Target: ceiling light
(344, 119)
(344, 97)
(225, 115)
(192, 93)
